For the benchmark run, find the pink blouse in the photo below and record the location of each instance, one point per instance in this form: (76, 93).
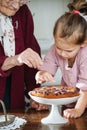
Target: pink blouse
(75, 76)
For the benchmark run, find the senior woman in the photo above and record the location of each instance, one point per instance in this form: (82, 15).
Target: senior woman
(19, 52)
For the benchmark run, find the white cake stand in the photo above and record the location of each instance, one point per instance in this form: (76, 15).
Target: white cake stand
(54, 117)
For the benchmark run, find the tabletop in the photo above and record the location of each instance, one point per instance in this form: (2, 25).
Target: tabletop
(34, 117)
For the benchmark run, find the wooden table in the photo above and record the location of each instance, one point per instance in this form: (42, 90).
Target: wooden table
(34, 121)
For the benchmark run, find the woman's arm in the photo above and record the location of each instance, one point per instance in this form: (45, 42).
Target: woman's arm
(10, 62)
(28, 57)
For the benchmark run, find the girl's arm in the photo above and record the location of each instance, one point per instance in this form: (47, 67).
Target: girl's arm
(79, 107)
(82, 101)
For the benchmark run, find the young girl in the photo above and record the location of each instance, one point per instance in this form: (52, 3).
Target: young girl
(69, 52)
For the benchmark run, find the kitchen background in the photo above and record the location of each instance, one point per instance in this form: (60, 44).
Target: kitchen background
(45, 14)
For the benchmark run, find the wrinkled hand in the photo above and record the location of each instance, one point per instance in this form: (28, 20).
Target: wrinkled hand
(30, 58)
(43, 76)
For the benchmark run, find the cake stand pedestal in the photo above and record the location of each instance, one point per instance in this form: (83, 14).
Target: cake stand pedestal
(54, 117)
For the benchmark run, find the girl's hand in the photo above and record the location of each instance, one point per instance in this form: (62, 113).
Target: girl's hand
(43, 76)
(72, 113)
(30, 58)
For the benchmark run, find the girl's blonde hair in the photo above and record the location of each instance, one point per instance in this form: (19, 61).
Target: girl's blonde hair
(80, 5)
(72, 24)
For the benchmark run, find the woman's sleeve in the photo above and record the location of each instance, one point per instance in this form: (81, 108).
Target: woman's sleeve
(30, 42)
(28, 29)
(2, 59)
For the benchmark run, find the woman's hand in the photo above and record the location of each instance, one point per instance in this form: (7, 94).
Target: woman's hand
(43, 76)
(30, 58)
(38, 106)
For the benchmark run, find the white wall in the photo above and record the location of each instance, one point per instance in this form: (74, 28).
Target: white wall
(45, 13)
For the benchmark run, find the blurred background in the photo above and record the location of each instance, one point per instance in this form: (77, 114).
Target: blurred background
(45, 13)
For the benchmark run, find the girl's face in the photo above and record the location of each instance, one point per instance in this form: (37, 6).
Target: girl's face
(65, 49)
(10, 7)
